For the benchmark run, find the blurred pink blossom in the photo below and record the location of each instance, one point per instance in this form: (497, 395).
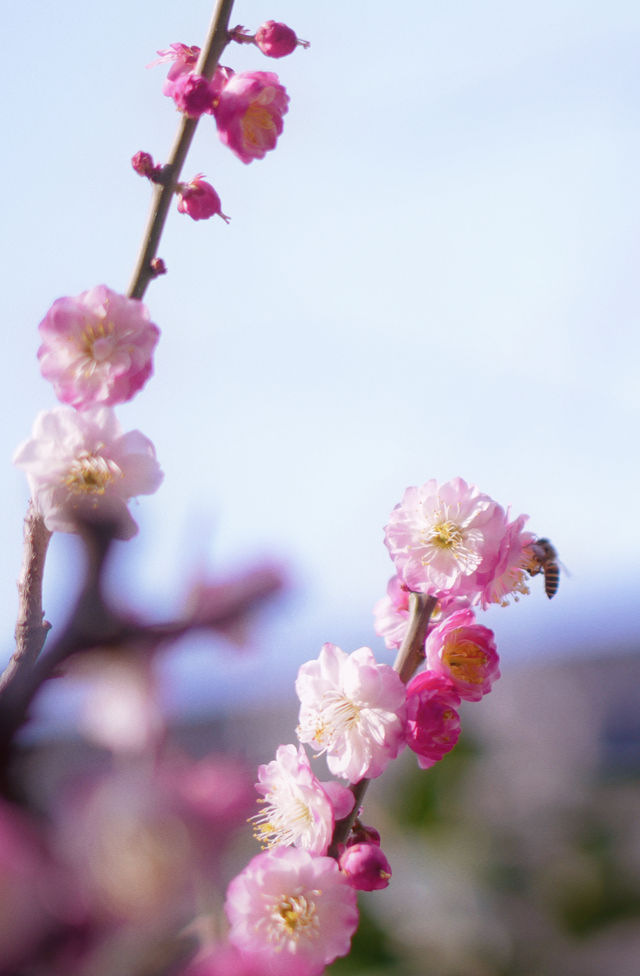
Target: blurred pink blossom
(199, 200)
(440, 536)
(225, 960)
(433, 723)
(97, 348)
(465, 652)
(80, 464)
(249, 113)
(120, 711)
(25, 877)
(353, 709)
(292, 911)
(297, 810)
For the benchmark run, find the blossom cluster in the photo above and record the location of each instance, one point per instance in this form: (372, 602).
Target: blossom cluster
(248, 108)
(452, 544)
(293, 908)
(97, 351)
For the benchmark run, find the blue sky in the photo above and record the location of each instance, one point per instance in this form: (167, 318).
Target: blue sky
(435, 274)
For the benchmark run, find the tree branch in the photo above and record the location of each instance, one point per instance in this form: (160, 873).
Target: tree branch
(217, 40)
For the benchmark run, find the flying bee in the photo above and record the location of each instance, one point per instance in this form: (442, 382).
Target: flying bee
(544, 559)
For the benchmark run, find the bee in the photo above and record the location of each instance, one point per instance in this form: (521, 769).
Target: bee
(544, 559)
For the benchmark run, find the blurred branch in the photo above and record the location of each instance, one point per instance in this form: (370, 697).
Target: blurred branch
(93, 623)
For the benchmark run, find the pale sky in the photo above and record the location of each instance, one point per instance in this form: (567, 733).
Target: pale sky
(435, 274)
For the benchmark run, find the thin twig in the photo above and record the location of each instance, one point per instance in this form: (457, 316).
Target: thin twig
(217, 39)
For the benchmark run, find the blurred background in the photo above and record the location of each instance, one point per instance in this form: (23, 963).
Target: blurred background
(435, 274)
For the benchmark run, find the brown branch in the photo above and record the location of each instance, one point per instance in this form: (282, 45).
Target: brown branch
(31, 628)
(216, 41)
(409, 658)
(411, 653)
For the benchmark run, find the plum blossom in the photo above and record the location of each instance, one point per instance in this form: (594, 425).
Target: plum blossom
(223, 960)
(26, 886)
(297, 809)
(391, 613)
(80, 464)
(465, 652)
(184, 59)
(199, 200)
(276, 40)
(97, 348)
(433, 723)
(291, 911)
(440, 536)
(193, 94)
(365, 866)
(353, 709)
(249, 113)
(507, 577)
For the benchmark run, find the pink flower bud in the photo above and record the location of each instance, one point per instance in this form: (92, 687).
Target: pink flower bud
(366, 867)
(277, 40)
(158, 267)
(199, 200)
(363, 834)
(143, 164)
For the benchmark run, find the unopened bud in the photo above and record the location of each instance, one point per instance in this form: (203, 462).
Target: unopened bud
(366, 867)
(277, 40)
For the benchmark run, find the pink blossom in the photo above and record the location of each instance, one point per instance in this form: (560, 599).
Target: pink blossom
(120, 711)
(466, 653)
(97, 348)
(291, 911)
(433, 723)
(191, 96)
(249, 113)
(223, 960)
(194, 95)
(507, 577)
(184, 60)
(353, 709)
(365, 866)
(80, 464)
(25, 882)
(199, 200)
(391, 613)
(128, 855)
(439, 536)
(297, 810)
(276, 40)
